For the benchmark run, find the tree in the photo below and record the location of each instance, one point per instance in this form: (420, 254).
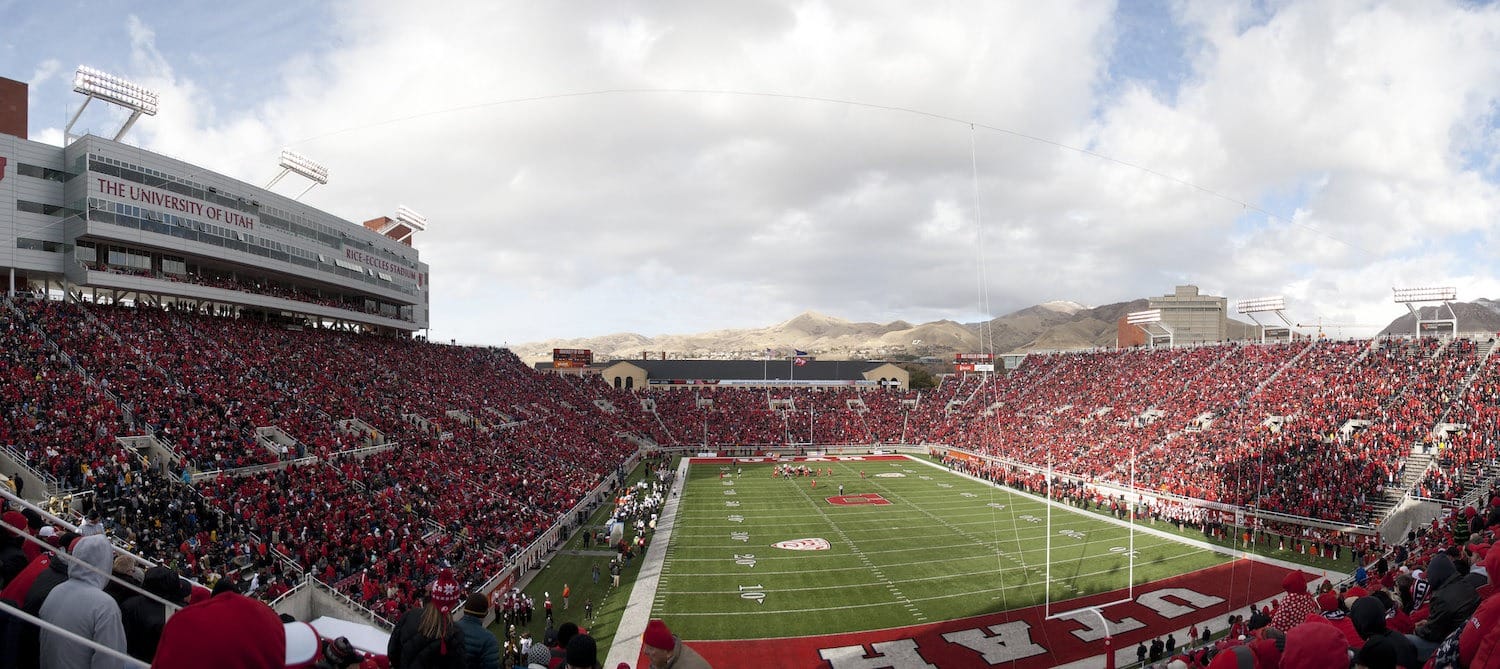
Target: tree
(921, 378)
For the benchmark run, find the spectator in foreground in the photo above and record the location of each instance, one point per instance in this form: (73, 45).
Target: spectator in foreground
(80, 605)
(145, 618)
(1297, 605)
(1315, 645)
(426, 638)
(665, 650)
(583, 653)
(539, 656)
(12, 556)
(1452, 601)
(480, 646)
(228, 630)
(1383, 647)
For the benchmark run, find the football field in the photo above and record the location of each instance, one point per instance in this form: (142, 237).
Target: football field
(755, 556)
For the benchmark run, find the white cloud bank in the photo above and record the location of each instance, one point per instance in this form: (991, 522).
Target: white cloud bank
(1366, 128)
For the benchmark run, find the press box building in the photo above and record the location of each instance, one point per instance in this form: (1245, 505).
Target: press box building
(98, 219)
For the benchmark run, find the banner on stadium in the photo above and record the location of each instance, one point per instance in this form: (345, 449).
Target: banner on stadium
(154, 197)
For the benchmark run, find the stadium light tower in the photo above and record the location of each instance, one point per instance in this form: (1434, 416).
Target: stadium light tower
(1275, 304)
(1150, 322)
(107, 87)
(291, 161)
(1444, 295)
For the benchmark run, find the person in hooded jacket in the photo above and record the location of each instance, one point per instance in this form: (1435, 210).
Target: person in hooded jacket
(18, 638)
(56, 572)
(1452, 601)
(1297, 604)
(81, 606)
(144, 618)
(1383, 648)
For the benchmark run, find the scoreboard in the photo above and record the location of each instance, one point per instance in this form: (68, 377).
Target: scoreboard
(974, 362)
(572, 357)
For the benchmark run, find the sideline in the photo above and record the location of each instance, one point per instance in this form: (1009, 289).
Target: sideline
(1126, 656)
(627, 642)
(1231, 552)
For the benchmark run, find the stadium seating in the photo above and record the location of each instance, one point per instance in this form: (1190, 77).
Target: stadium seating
(481, 455)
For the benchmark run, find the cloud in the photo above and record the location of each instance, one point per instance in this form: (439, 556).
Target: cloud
(45, 71)
(583, 177)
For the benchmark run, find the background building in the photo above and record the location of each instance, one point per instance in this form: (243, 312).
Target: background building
(1193, 317)
(781, 373)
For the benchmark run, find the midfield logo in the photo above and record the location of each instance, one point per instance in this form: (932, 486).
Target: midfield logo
(858, 500)
(803, 545)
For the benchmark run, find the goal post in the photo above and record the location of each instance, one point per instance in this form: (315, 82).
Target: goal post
(1130, 555)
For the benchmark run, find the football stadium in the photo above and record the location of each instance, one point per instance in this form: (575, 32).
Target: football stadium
(224, 436)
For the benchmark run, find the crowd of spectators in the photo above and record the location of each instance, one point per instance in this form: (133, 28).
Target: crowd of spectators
(482, 455)
(61, 425)
(529, 447)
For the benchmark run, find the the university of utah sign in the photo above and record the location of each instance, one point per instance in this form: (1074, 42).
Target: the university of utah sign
(1022, 639)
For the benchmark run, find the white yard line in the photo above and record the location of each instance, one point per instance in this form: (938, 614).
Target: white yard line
(627, 643)
(848, 586)
(875, 569)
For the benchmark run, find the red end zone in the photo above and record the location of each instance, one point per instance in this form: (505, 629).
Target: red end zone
(1022, 638)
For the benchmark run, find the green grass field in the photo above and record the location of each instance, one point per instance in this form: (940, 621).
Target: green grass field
(945, 547)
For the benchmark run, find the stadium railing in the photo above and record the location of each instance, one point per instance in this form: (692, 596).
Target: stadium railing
(363, 451)
(346, 600)
(54, 486)
(544, 543)
(254, 469)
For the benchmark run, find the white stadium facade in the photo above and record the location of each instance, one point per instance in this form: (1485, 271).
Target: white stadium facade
(104, 221)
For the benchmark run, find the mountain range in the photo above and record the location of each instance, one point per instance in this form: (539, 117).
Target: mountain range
(1051, 326)
(1048, 326)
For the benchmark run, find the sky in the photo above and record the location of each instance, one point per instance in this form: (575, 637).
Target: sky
(596, 167)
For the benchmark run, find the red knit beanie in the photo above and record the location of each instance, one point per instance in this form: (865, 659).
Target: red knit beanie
(1315, 646)
(445, 591)
(658, 636)
(1294, 582)
(230, 631)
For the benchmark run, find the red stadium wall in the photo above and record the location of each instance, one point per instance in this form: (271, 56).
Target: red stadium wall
(1129, 335)
(13, 95)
